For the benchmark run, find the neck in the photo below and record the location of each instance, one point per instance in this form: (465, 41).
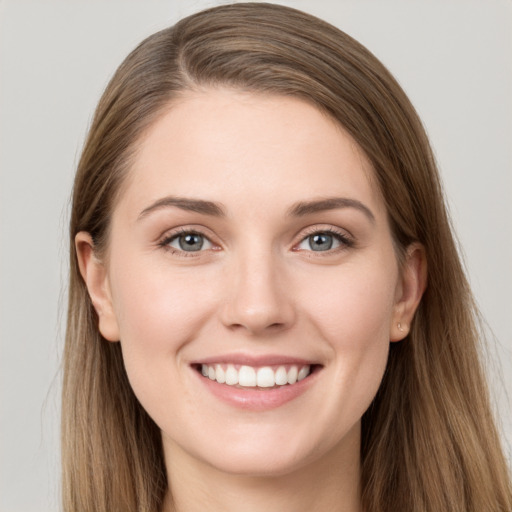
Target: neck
(330, 483)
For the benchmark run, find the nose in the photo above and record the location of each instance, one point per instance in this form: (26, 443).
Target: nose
(257, 296)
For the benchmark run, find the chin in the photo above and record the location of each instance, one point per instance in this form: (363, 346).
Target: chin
(259, 465)
(265, 456)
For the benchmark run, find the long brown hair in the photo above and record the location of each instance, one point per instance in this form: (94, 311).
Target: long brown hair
(428, 440)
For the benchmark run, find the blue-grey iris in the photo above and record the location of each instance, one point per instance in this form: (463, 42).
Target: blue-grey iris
(321, 242)
(191, 242)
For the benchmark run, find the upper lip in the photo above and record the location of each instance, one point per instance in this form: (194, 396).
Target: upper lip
(254, 360)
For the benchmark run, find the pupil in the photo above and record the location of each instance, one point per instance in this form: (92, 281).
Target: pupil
(191, 242)
(321, 242)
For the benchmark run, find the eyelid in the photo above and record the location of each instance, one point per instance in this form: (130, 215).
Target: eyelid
(207, 244)
(345, 238)
(174, 233)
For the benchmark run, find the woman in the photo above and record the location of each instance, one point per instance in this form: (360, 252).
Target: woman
(256, 216)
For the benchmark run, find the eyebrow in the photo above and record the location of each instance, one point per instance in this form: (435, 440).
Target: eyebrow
(191, 205)
(331, 203)
(300, 209)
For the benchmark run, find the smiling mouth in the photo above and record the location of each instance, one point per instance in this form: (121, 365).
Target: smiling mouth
(264, 377)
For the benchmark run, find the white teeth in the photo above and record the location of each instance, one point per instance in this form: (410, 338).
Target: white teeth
(265, 377)
(231, 375)
(247, 376)
(281, 376)
(303, 373)
(292, 375)
(220, 374)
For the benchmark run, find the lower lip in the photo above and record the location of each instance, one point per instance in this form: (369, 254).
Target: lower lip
(257, 399)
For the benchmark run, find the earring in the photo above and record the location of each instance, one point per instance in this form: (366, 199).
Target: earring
(400, 328)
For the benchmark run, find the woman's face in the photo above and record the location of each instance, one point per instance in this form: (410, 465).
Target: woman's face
(250, 244)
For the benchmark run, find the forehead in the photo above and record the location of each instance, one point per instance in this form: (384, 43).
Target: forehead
(222, 144)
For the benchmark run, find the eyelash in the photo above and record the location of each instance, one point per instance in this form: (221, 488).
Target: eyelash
(346, 241)
(164, 243)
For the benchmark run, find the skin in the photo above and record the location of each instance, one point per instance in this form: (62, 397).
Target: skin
(257, 288)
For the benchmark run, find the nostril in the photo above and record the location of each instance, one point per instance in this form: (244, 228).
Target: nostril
(257, 328)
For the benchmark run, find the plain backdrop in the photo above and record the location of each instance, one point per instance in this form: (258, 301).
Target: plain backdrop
(454, 59)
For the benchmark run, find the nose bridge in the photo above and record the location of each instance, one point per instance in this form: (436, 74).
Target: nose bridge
(257, 298)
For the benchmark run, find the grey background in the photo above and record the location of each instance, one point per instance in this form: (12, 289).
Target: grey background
(454, 59)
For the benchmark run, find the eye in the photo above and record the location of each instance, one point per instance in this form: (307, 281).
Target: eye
(321, 241)
(188, 242)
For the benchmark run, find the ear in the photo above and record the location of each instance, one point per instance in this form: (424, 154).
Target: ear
(412, 284)
(95, 276)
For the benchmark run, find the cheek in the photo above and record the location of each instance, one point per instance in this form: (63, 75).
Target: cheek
(158, 311)
(154, 305)
(354, 307)
(353, 313)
